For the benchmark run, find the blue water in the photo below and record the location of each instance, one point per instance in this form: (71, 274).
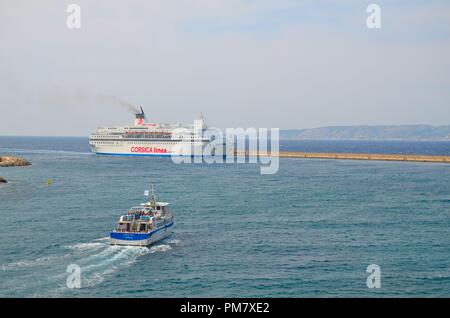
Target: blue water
(310, 230)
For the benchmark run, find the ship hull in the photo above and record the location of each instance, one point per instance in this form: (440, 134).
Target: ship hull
(157, 149)
(141, 239)
(131, 154)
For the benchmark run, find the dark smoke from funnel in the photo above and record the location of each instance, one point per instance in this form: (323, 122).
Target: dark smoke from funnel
(59, 97)
(116, 100)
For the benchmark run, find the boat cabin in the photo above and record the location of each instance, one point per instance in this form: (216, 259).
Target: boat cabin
(144, 218)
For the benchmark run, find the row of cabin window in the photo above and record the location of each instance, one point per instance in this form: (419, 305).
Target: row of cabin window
(129, 142)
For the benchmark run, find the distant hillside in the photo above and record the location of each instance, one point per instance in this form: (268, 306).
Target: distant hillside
(401, 132)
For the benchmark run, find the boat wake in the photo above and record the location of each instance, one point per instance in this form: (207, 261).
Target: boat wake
(96, 267)
(41, 261)
(106, 238)
(97, 261)
(86, 246)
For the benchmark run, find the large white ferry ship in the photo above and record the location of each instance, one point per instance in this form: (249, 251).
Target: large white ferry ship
(148, 139)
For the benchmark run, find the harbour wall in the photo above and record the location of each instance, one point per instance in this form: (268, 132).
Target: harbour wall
(355, 156)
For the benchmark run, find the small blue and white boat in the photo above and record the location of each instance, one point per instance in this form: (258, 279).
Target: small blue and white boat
(144, 225)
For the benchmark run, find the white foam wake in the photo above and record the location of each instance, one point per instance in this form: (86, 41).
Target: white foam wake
(174, 241)
(159, 248)
(97, 260)
(96, 268)
(106, 238)
(40, 261)
(86, 246)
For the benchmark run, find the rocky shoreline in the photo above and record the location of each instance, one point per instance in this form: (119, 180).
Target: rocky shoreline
(10, 161)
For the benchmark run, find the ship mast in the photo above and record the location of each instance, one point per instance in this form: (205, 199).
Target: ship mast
(153, 200)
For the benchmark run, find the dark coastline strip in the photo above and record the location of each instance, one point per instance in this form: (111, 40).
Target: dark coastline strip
(356, 156)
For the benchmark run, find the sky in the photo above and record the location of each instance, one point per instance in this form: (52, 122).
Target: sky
(242, 63)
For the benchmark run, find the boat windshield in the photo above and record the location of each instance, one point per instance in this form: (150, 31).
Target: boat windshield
(139, 209)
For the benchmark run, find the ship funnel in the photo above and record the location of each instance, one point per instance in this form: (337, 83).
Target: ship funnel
(202, 121)
(140, 117)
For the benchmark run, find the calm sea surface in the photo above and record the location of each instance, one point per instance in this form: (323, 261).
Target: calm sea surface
(310, 230)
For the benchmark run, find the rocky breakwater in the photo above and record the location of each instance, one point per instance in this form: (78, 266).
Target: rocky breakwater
(10, 161)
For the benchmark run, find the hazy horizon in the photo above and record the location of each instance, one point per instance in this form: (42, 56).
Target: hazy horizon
(286, 64)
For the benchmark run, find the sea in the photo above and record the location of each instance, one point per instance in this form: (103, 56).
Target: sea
(311, 230)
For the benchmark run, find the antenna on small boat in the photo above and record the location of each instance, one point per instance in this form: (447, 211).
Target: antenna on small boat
(153, 197)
